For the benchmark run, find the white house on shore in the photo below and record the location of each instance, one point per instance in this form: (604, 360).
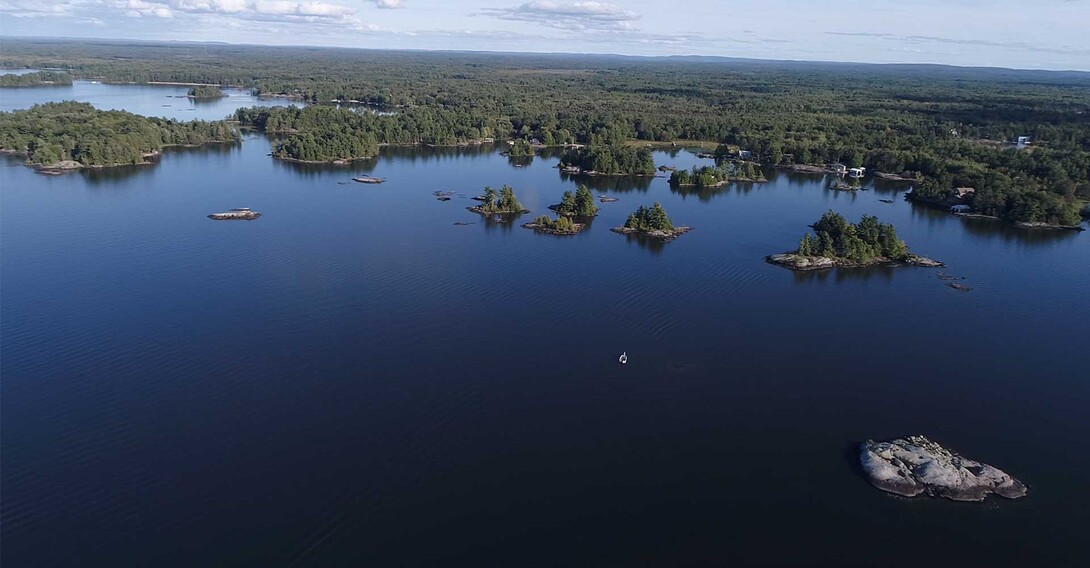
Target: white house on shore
(857, 172)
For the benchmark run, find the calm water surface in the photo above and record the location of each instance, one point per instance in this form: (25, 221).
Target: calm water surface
(149, 100)
(354, 379)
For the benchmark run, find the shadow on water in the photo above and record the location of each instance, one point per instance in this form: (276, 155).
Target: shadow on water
(520, 161)
(850, 453)
(839, 275)
(990, 229)
(349, 170)
(424, 154)
(502, 222)
(704, 194)
(655, 246)
(620, 184)
(105, 177)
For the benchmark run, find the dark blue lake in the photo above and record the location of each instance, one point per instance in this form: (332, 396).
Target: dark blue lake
(353, 379)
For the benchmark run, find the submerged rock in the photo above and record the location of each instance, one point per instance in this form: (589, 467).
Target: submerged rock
(915, 465)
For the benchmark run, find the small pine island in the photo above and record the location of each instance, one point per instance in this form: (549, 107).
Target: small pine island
(838, 243)
(578, 204)
(501, 205)
(651, 222)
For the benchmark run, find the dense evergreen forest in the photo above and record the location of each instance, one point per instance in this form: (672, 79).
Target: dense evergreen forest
(861, 242)
(54, 132)
(36, 79)
(951, 126)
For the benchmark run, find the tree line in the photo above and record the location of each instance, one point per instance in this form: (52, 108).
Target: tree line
(36, 79)
(948, 125)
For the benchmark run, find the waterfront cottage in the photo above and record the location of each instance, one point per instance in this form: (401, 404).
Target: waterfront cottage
(963, 192)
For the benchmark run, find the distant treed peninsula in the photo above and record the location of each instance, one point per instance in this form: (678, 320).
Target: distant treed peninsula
(72, 135)
(948, 127)
(36, 79)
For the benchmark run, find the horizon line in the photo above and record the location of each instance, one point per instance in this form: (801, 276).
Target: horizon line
(724, 58)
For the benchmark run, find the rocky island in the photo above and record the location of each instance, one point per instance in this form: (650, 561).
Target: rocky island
(916, 466)
(237, 214)
(845, 245)
(651, 222)
(501, 205)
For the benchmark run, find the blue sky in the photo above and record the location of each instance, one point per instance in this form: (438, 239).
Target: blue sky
(1036, 34)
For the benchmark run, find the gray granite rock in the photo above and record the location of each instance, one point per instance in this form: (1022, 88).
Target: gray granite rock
(915, 465)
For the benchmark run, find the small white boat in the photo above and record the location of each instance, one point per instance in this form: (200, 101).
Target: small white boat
(623, 358)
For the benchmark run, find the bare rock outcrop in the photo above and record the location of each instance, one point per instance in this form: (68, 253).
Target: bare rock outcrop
(916, 466)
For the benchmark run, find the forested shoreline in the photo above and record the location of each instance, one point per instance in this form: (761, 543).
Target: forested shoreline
(36, 79)
(72, 135)
(951, 127)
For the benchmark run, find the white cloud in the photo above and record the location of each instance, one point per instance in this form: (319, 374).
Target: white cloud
(389, 4)
(35, 8)
(264, 9)
(572, 16)
(140, 8)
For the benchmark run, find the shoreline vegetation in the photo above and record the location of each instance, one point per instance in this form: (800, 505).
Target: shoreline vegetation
(36, 79)
(56, 137)
(845, 245)
(1025, 211)
(651, 222)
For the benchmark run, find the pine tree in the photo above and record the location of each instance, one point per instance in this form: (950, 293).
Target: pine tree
(806, 246)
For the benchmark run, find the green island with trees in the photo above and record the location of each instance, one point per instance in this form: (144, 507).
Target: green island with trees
(562, 225)
(716, 176)
(608, 160)
(579, 204)
(71, 135)
(520, 148)
(836, 242)
(206, 92)
(652, 222)
(949, 127)
(501, 204)
(36, 79)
